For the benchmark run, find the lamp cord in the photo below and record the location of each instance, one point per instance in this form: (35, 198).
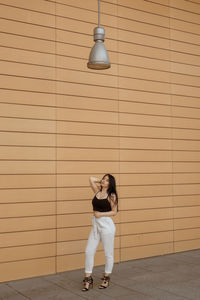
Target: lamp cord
(98, 13)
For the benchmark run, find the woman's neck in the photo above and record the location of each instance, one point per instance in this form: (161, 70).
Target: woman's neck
(104, 190)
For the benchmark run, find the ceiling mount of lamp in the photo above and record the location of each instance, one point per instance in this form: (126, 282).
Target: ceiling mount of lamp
(99, 59)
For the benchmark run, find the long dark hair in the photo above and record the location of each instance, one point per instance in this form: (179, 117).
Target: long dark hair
(112, 187)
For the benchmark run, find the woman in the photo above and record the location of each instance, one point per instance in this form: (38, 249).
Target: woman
(105, 205)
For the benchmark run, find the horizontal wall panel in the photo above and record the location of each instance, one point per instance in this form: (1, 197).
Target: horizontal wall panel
(23, 167)
(27, 238)
(145, 167)
(151, 86)
(19, 14)
(28, 111)
(147, 7)
(25, 29)
(37, 5)
(147, 61)
(186, 145)
(144, 96)
(186, 16)
(186, 155)
(190, 7)
(149, 74)
(178, 66)
(139, 15)
(144, 203)
(144, 108)
(186, 200)
(27, 97)
(21, 195)
(27, 57)
(146, 227)
(87, 154)
(187, 212)
(29, 43)
(186, 123)
(185, 79)
(27, 139)
(142, 143)
(86, 116)
(27, 153)
(188, 189)
(125, 155)
(86, 167)
(138, 38)
(185, 178)
(185, 37)
(27, 224)
(27, 209)
(183, 223)
(24, 83)
(112, 129)
(186, 134)
(86, 78)
(87, 142)
(27, 181)
(185, 90)
(89, 103)
(188, 245)
(141, 27)
(30, 125)
(185, 101)
(145, 155)
(68, 207)
(148, 55)
(186, 166)
(27, 268)
(86, 89)
(12, 68)
(146, 239)
(186, 112)
(27, 252)
(129, 167)
(146, 251)
(179, 25)
(148, 214)
(189, 234)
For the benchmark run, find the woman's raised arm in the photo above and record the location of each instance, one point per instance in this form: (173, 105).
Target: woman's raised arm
(95, 184)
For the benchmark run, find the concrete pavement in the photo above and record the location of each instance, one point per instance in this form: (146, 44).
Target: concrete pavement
(167, 277)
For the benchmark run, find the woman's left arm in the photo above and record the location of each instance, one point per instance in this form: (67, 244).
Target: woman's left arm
(113, 212)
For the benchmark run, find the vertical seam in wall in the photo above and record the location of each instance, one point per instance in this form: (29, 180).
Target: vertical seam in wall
(171, 112)
(118, 131)
(56, 241)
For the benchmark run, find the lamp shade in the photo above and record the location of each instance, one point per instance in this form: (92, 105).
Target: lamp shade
(99, 58)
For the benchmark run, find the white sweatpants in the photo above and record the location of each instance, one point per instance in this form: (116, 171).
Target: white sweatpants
(103, 229)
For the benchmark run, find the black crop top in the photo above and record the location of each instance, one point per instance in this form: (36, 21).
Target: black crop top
(101, 204)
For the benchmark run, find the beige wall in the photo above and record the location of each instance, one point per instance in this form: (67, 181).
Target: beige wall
(61, 123)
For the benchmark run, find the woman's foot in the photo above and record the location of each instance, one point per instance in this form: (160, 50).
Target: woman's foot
(88, 282)
(105, 282)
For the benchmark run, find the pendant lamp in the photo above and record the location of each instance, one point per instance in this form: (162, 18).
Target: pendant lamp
(99, 58)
